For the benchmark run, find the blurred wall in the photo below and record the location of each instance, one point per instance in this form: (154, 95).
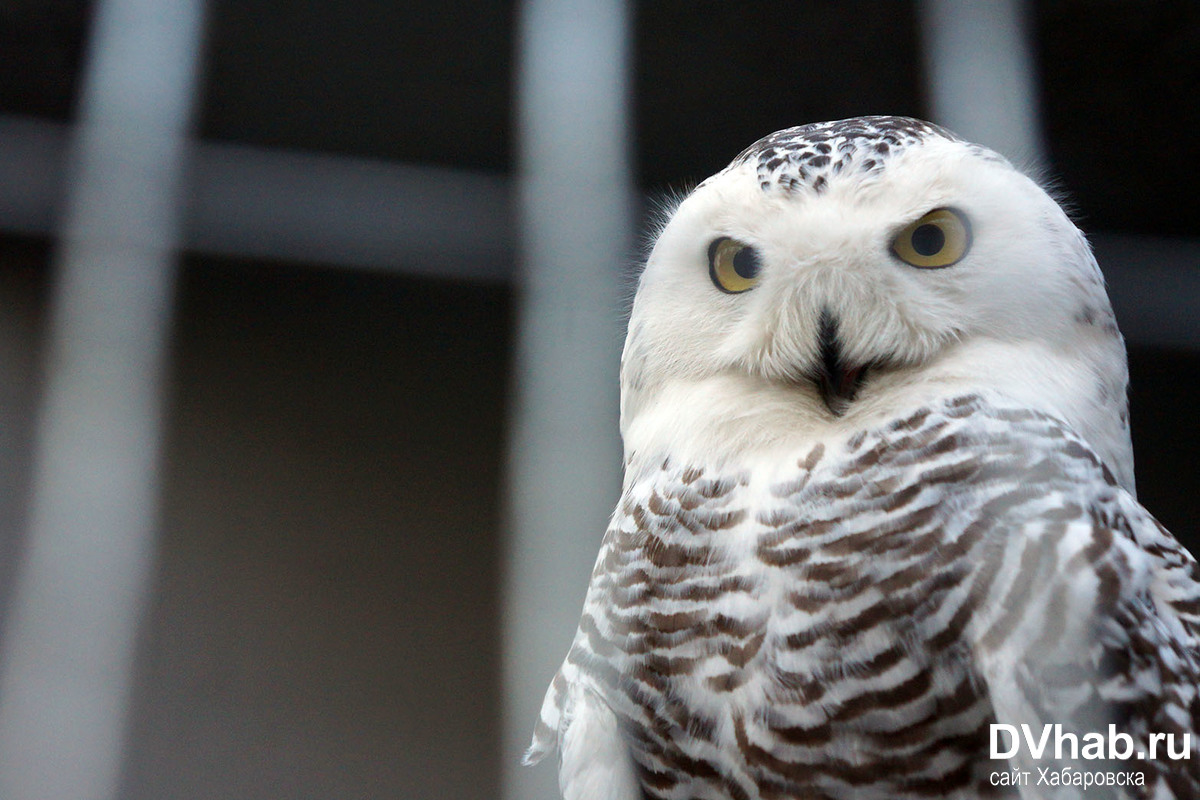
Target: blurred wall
(324, 622)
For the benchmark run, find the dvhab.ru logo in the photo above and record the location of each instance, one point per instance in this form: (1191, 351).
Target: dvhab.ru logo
(1052, 742)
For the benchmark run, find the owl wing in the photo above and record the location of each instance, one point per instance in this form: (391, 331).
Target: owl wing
(1092, 620)
(654, 569)
(575, 720)
(572, 681)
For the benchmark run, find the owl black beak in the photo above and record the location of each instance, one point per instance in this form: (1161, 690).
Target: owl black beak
(837, 381)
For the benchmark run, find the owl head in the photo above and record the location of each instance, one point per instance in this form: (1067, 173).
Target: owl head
(838, 273)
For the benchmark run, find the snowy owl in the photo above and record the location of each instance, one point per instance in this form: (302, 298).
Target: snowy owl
(877, 535)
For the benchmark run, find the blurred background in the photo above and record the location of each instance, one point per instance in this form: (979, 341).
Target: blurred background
(350, 584)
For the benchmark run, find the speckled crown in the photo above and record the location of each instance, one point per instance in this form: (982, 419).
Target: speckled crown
(807, 157)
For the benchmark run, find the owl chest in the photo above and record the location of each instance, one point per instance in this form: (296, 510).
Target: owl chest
(776, 636)
(705, 571)
(757, 621)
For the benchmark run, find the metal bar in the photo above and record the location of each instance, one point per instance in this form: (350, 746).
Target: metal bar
(346, 212)
(575, 201)
(352, 212)
(980, 74)
(293, 206)
(67, 660)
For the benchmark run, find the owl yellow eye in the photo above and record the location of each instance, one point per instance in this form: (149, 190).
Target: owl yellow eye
(938, 239)
(733, 265)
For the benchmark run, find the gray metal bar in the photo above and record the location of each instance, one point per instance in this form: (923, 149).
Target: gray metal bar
(354, 212)
(293, 206)
(980, 74)
(67, 660)
(357, 213)
(575, 198)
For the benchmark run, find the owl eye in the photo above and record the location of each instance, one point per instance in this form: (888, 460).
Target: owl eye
(733, 265)
(938, 239)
